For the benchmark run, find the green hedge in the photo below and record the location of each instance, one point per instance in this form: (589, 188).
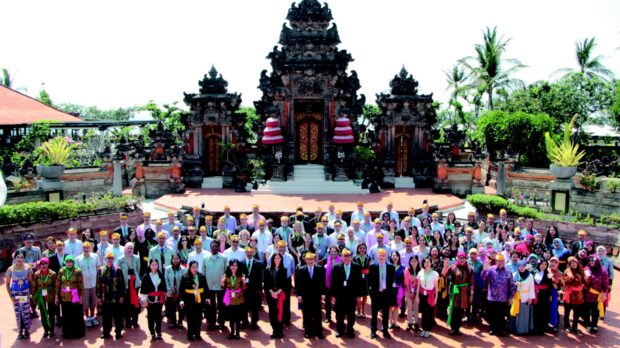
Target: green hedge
(493, 204)
(33, 212)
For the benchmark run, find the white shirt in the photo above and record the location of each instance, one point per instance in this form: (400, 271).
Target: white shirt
(238, 255)
(173, 243)
(357, 215)
(263, 240)
(73, 248)
(360, 235)
(415, 222)
(89, 266)
(526, 288)
(117, 251)
(198, 257)
(427, 281)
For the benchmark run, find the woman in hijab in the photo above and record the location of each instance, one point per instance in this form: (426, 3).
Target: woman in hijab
(521, 311)
(542, 304)
(555, 275)
(608, 266)
(69, 288)
(597, 284)
(562, 254)
(574, 280)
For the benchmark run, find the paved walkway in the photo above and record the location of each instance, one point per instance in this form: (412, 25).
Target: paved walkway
(608, 336)
(215, 199)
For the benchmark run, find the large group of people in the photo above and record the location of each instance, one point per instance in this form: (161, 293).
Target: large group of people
(416, 268)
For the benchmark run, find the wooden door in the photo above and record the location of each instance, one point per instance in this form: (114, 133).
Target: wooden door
(211, 153)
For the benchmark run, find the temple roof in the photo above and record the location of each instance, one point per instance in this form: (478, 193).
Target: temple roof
(213, 84)
(309, 10)
(17, 108)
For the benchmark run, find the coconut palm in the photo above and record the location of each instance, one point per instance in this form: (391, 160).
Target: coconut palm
(589, 65)
(487, 70)
(456, 78)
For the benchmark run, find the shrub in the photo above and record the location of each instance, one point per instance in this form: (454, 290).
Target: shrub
(493, 204)
(517, 132)
(33, 212)
(613, 184)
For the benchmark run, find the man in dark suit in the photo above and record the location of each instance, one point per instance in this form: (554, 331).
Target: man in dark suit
(345, 282)
(582, 238)
(252, 268)
(310, 287)
(124, 230)
(380, 280)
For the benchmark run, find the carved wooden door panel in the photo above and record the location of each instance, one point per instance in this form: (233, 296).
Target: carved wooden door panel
(309, 138)
(403, 146)
(211, 155)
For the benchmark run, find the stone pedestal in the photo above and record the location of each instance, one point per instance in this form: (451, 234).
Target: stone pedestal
(341, 173)
(560, 194)
(117, 181)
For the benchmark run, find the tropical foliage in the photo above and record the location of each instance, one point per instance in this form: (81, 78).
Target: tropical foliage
(56, 151)
(589, 65)
(93, 113)
(564, 153)
(519, 134)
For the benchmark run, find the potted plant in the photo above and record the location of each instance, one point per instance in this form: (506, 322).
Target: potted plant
(55, 154)
(365, 157)
(564, 155)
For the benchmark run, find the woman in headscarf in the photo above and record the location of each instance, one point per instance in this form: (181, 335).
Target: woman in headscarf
(43, 286)
(532, 263)
(561, 253)
(69, 288)
(521, 311)
(590, 248)
(574, 280)
(542, 304)
(597, 284)
(18, 284)
(193, 292)
(555, 275)
(508, 249)
(608, 266)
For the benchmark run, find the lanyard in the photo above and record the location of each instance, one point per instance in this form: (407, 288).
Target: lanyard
(363, 261)
(233, 281)
(44, 280)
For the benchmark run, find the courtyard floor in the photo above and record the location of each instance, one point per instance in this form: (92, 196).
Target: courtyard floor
(476, 336)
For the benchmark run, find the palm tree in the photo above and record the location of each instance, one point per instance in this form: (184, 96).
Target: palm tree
(6, 78)
(589, 66)
(486, 69)
(456, 79)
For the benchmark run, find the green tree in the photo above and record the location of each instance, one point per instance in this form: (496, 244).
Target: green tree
(517, 133)
(93, 113)
(250, 124)
(488, 70)
(589, 65)
(614, 110)
(573, 94)
(44, 97)
(169, 115)
(6, 78)
(456, 78)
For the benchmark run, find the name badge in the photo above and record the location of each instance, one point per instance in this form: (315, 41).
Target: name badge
(394, 285)
(412, 290)
(67, 288)
(247, 281)
(232, 295)
(22, 299)
(363, 276)
(345, 283)
(43, 292)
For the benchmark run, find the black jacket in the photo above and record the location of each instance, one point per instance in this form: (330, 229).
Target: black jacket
(310, 288)
(187, 283)
(148, 287)
(254, 278)
(354, 283)
(275, 280)
(373, 279)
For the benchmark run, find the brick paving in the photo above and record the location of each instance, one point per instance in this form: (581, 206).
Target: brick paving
(477, 336)
(215, 200)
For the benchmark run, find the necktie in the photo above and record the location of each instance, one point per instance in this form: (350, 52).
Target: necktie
(347, 271)
(161, 266)
(381, 277)
(310, 270)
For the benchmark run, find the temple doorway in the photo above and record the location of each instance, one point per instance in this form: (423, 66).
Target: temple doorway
(211, 153)
(309, 132)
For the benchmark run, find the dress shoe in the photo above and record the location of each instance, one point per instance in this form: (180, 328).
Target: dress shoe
(338, 335)
(118, 336)
(351, 335)
(373, 335)
(104, 336)
(387, 335)
(306, 335)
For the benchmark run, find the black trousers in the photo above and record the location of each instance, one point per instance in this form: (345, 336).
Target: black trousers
(130, 311)
(591, 314)
(194, 319)
(52, 313)
(577, 312)
(497, 312)
(109, 312)
(215, 311)
(153, 314)
(428, 313)
(345, 307)
(287, 304)
(311, 310)
(234, 314)
(542, 312)
(276, 325)
(328, 304)
(380, 302)
(72, 320)
(457, 318)
(253, 303)
(174, 312)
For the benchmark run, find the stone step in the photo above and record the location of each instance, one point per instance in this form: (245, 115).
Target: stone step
(212, 182)
(404, 182)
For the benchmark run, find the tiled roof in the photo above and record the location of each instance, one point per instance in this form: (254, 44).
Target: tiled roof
(17, 108)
